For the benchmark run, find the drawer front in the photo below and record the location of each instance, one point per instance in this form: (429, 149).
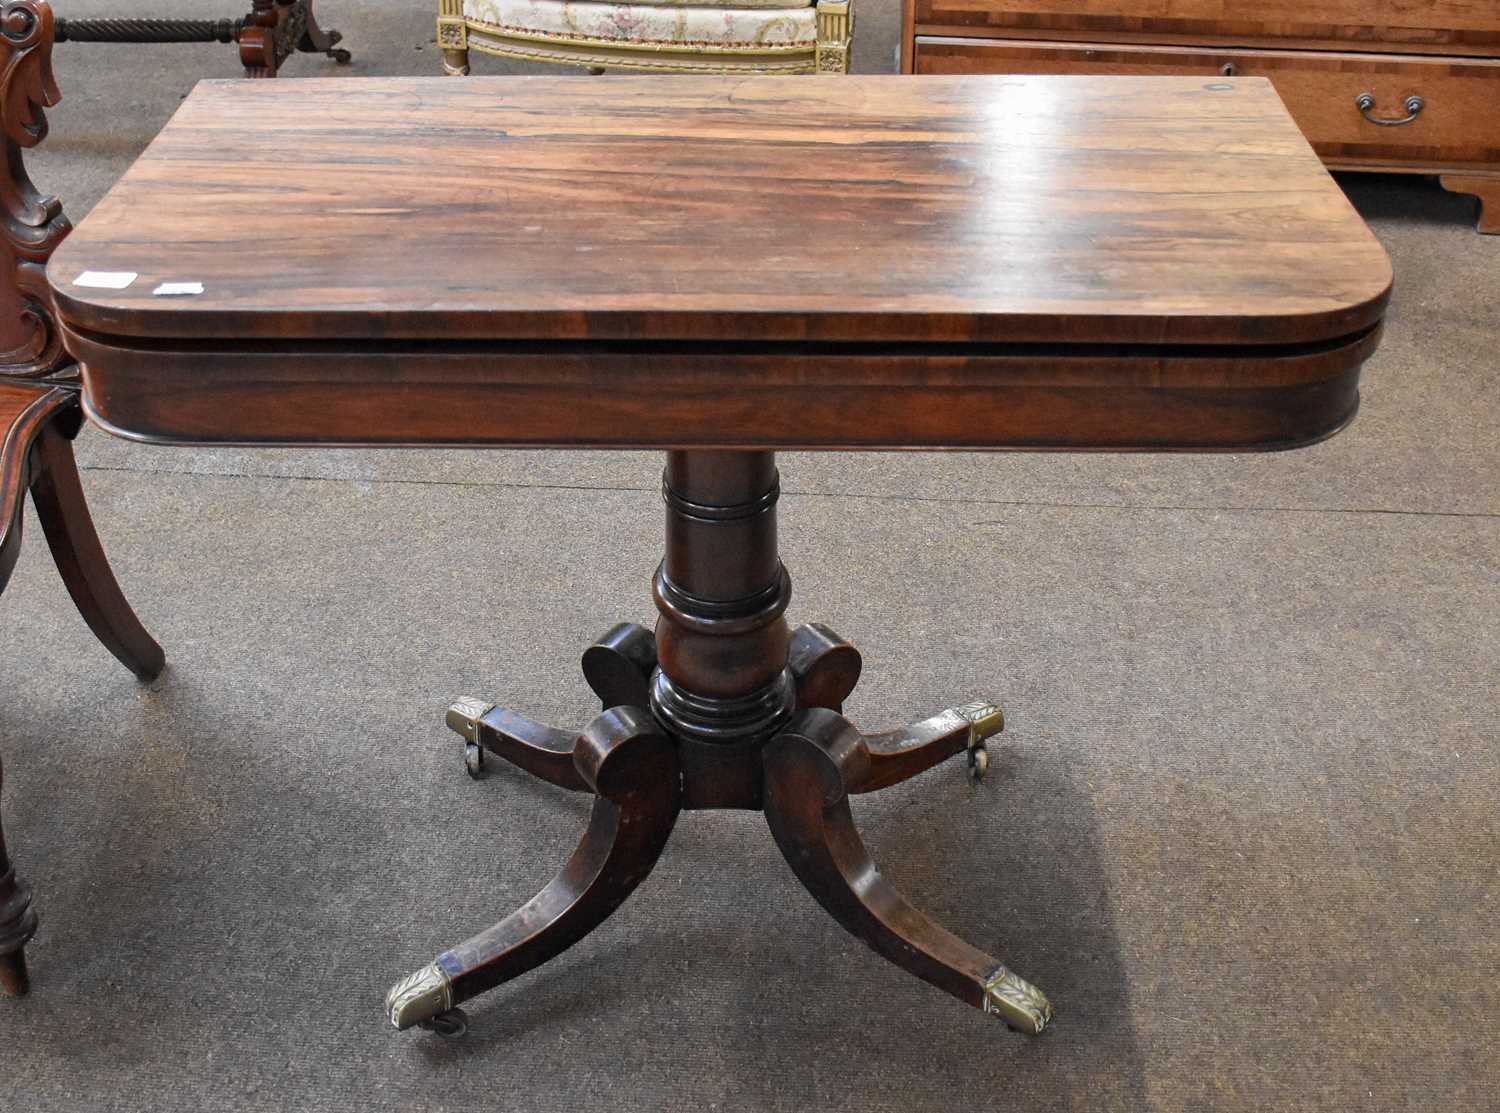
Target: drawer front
(1458, 122)
(1463, 26)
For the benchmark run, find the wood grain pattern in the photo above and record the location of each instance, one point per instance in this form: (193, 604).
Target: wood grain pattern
(32, 224)
(63, 512)
(1459, 121)
(633, 770)
(25, 410)
(733, 713)
(765, 209)
(1054, 396)
(36, 421)
(1436, 25)
(1430, 69)
(1486, 188)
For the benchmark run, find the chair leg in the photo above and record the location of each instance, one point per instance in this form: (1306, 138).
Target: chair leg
(64, 514)
(453, 37)
(808, 768)
(632, 766)
(315, 40)
(17, 924)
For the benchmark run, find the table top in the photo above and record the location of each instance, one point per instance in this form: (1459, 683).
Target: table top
(762, 208)
(784, 262)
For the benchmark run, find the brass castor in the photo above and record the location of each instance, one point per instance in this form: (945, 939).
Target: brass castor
(474, 761)
(463, 718)
(979, 762)
(451, 1024)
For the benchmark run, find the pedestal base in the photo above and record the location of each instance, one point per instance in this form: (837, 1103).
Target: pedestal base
(734, 712)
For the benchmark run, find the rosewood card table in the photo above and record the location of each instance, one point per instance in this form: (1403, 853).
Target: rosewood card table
(720, 268)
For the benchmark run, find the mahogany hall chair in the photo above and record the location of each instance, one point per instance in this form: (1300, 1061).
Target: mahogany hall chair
(39, 409)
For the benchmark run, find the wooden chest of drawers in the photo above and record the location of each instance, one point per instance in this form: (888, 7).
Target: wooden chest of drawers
(1410, 87)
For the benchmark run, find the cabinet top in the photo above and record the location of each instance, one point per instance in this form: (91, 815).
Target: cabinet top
(1420, 26)
(1158, 210)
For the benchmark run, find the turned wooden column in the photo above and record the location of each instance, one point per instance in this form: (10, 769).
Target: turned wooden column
(721, 685)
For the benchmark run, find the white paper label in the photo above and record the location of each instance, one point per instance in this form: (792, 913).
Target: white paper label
(106, 280)
(177, 289)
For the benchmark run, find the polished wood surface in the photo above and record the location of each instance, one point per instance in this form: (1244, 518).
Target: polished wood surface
(699, 262)
(25, 410)
(1486, 190)
(39, 392)
(1072, 397)
(57, 493)
(39, 408)
(32, 223)
(1459, 122)
(1407, 88)
(764, 209)
(723, 268)
(1436, 26)
(735, 711)
(37, 422)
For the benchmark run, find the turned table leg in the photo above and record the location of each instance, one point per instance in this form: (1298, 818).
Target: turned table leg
(722, 686)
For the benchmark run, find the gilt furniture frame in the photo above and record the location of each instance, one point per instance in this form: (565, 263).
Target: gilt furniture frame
(457, 34)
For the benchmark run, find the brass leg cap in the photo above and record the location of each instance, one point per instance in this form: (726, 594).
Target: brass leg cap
(1017, 1002)
(985, 717)
(419, 997)
(464, 715)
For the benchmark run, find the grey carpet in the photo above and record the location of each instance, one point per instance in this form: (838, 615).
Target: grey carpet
(1243, 828)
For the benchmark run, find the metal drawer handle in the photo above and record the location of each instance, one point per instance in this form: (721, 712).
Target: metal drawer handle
(1366, 101)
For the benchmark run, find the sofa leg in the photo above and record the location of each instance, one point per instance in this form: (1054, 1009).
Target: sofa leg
(456, 63)
(835, 28)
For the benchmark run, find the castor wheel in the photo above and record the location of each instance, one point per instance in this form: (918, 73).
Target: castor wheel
(342, 57)
(979, 762)
(474, 761)
(451, 1024)
(986, 719)
(463, 718)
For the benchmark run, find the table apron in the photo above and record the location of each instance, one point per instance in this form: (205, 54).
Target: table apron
(791, 397)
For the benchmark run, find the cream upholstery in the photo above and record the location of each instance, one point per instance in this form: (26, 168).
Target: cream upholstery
(684, 36)
(659, 24)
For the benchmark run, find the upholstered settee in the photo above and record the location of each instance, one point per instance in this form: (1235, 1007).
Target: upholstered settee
(664, 36)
